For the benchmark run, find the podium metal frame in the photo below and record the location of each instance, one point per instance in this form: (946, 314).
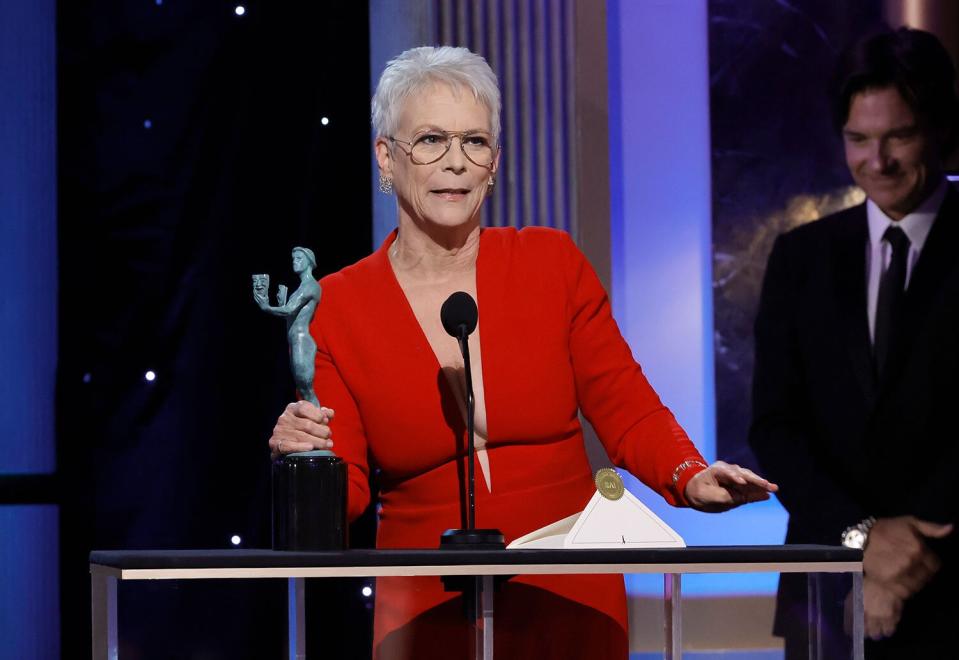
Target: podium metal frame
(107, 567)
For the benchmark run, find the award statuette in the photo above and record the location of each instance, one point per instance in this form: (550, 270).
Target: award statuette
(309, 488)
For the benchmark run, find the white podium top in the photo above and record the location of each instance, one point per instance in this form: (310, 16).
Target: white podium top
(212, 564)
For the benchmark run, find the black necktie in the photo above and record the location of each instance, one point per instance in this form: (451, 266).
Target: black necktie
(892, 289)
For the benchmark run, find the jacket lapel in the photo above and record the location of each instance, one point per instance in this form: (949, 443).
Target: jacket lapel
(849, 267)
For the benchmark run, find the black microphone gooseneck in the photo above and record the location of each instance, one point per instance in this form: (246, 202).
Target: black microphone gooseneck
(459, 316)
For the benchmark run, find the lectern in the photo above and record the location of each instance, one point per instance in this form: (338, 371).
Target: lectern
(107, 567)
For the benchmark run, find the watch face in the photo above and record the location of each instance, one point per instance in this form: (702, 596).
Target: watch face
(854, 538)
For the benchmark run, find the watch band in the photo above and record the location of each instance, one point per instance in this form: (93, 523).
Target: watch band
(862, 526)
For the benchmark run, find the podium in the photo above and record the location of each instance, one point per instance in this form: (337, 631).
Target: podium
(107, 567)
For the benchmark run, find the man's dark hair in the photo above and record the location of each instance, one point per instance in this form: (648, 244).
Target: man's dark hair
(912, 61)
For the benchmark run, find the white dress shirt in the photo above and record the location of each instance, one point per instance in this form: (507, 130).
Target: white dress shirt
(916, 226)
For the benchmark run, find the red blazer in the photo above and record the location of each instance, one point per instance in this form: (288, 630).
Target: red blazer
(550, 348)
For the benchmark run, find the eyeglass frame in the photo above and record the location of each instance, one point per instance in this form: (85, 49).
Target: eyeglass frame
(449, 145)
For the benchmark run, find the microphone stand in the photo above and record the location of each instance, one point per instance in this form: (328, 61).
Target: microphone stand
(470, 538)
(470, 431)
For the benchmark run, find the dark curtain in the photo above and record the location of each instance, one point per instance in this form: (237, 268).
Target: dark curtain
(192, 155)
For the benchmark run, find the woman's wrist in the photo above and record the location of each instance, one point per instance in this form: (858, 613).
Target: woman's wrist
(683, 474)
(685, 465)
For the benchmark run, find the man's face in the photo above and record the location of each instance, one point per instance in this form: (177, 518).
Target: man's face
(891, 156)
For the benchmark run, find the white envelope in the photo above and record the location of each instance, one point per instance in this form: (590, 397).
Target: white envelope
(605, 523)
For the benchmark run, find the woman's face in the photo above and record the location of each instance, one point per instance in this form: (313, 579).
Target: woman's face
(449, 192)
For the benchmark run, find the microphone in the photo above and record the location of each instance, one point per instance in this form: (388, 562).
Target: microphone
(460, 316)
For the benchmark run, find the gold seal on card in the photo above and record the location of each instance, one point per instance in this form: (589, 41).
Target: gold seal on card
(609, 484)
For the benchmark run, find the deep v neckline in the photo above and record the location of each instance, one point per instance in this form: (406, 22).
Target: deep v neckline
(411, 318)
(423, 340)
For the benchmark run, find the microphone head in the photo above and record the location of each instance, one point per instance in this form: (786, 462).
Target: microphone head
(459, 314)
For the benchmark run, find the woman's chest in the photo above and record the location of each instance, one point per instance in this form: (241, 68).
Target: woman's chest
(425, 300)
(398, 367)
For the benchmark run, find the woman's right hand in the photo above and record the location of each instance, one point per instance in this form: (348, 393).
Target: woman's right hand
(302, 427)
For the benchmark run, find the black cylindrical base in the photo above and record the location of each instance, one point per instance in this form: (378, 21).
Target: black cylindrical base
(309, 503)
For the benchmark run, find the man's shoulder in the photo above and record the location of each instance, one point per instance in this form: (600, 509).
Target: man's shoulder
(828, 227)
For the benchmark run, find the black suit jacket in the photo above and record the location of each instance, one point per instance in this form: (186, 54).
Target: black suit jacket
(842, 443)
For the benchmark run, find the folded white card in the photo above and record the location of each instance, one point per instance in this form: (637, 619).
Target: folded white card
(605, 523)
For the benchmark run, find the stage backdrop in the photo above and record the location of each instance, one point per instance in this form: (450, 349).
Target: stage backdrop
(720, 138)
(777, 162)
(659, 151)
(28, 330)
(199, 142)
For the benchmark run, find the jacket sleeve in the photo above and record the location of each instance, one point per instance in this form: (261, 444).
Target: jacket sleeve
(639, 433)
(781, 433)
(349, 437)
(939, 501)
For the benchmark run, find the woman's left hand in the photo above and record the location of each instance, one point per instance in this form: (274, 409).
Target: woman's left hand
(724, 486)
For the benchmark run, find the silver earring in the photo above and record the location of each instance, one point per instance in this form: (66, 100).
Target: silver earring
(489, 186)
(386, 185)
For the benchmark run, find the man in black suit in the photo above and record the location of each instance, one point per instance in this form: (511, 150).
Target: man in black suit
(856, 383)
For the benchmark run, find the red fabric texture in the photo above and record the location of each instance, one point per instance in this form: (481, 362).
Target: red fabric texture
(550, 347)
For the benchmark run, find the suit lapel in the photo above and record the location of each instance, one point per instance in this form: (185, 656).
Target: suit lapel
(939, 257)
(849, 267)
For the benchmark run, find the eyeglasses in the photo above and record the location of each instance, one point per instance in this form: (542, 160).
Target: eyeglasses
(429, 147)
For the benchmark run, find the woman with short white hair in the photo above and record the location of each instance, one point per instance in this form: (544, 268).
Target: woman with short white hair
(546, 347)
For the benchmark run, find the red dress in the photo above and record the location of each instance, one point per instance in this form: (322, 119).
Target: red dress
(550, 347)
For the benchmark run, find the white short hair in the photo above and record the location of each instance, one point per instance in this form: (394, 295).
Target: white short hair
(417, 68)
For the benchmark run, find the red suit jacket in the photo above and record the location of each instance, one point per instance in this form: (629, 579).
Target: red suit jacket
(550, 348)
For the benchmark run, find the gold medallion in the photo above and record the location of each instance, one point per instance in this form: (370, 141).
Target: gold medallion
(609, 484)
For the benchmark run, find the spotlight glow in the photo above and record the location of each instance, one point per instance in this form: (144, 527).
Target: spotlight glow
(367, 591)
(324, 120)
(150, 376)
(87, 377)
(235, 539)
(147, 124)
(240, 10)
